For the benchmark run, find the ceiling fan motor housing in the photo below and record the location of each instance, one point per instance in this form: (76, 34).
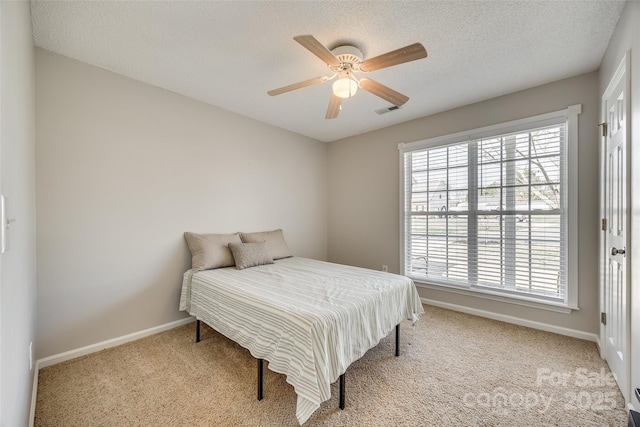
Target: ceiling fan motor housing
(349, 56)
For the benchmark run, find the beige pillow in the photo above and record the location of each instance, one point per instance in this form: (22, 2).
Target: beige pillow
(275, 242)
(211, 250)
(250, 254)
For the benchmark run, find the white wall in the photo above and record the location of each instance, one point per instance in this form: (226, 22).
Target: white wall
(627, 38)
(364, 192)
(123, 169)
(17, 165)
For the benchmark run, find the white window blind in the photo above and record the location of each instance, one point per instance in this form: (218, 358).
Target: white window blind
(490, 212)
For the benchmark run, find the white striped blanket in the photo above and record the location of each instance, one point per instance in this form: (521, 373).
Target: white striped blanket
(309, 319)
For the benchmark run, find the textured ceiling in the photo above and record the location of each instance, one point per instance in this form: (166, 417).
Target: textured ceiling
(230, 54)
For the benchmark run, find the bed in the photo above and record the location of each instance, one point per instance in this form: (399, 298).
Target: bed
(308, 319)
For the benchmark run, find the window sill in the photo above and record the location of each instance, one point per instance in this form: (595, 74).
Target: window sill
(496, 296)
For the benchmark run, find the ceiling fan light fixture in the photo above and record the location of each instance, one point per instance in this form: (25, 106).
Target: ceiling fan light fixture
(346, 60)
(345, 87)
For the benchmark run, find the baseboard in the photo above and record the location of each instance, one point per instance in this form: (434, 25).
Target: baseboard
(516, 321)
(34, 393)
(598, 344)
(72, 354)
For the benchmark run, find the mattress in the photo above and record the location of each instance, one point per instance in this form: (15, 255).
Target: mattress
(309, 319)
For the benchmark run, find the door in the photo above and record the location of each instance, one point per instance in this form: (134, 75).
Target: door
(614, 291)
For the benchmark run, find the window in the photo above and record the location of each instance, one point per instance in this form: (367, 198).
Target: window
(492, 210)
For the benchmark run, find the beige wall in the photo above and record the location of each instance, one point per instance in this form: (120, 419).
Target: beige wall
(627, 38)
(123, 169)
(364, 192)
(17, 183)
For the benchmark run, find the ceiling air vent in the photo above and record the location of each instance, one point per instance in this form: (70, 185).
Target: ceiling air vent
(387, 109)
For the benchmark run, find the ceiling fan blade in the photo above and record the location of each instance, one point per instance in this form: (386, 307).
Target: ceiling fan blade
(298, 85)
(399, 56)
(334, 107)
(388, 94)
(318, 49)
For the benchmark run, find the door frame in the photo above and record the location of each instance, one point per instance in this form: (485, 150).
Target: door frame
(623, 71)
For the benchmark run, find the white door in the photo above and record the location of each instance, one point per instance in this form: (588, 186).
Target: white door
(615, 294)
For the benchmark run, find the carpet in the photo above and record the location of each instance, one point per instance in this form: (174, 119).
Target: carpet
(454, 369)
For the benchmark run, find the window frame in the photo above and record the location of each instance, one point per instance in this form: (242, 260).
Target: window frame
(570, 117)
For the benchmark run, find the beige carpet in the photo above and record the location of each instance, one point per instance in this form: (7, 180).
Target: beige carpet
(454, 370)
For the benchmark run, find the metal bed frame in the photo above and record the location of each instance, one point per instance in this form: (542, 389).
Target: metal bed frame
(342, 379)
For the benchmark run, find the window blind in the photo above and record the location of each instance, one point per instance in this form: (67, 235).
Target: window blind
(490, 212)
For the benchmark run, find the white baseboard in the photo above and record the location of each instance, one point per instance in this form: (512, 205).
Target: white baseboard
(34, 393)
(516, 321)
(72, 354)
(597, 341)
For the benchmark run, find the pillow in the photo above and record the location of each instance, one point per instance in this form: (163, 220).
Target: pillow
(275, 242)
(250, 254)
(211, 250)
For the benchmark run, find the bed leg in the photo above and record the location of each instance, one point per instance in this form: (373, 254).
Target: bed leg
(197, 330)
(398, 340)
(260, 372)
(342, 387)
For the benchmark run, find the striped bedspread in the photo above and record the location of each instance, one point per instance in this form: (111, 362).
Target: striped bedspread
(309, 319)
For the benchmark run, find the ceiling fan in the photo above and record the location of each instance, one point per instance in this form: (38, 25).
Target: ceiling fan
(345, 62)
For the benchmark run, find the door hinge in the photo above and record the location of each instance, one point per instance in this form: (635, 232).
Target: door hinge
(604, 128)
(604, 224)
(603, 318)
